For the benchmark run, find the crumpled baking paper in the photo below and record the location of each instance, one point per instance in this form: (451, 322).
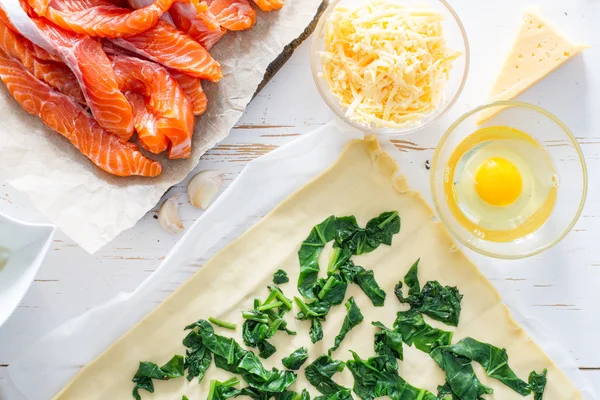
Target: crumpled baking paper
(55, 359)
(92, 206)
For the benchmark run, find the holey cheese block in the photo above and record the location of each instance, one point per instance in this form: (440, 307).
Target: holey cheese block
(538, 50)
(362, 183)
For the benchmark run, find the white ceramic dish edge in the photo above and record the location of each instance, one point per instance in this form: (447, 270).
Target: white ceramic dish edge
(28, 244)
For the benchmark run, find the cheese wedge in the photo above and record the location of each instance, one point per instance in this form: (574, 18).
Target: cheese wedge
(539, 49)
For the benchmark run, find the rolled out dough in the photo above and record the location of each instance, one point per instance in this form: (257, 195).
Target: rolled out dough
(363, 183)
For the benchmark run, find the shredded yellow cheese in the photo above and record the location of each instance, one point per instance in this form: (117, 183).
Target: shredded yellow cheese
(386, 63)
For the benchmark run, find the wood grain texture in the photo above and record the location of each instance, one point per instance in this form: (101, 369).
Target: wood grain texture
(558, 287)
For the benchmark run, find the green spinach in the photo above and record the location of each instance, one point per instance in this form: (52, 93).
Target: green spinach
(296, 359)
(414, 330)
(374, 378)
(280, 277)
(494, 361)
(365, 280)
(315, 312)
(350, 239)
(309, 253)
(223, 324)
(230, 356)
(316, 330)
(537, 383)
(148, 370)
(223, 390)
(340, 395)
(460, 376)
(331, 290)
(265, 320)
(388, 344)
(378, 230)
(441, 303)
(266, 349)
(319, 374)
(352, 319)
(197, 357)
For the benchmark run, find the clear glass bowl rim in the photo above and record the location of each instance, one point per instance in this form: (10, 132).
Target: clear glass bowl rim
(336, 108)
(555, 119)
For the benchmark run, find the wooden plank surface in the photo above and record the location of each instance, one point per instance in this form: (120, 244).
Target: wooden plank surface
(559, 287)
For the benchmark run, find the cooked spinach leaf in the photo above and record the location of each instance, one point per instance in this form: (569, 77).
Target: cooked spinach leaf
(223, 324)
(445, 393)
(280, 276)
(223, 390)
(197, 357)
(296, 359)
(319, 374)
(331, 290)
(316, 330)
(441, 303)
(315, 312)
(460, 376)
(350, 239)
(537, 383)
(352, 319)
(265, 320)
(230, 356)
(382, 229)
(374, 378)
(388, 344)
(494, 361)
(266, 349)
(414, 330)
(309, 253)
(148, 370)
(365, 280)
(378, 230)
(341, 395)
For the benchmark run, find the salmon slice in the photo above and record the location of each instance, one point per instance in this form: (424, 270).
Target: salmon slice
(203, 28)
(235, 15)
(192, 87)
(56, 74)
(102, 18)
(146, 125)
(164, 44)
(69, 119)
(85, 57)
(166, 100)
(269, 5)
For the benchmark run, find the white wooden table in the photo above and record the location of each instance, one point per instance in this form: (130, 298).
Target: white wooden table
(560, 286)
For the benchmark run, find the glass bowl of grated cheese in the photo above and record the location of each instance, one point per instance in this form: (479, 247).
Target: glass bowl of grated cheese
(390, 66)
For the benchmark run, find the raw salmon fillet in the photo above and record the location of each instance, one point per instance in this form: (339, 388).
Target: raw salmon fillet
(56, 74)
(192, 87)
(146, 124)
(166, 100)
(164, 44)
(203, 27)
(69, 119)
(235, 15)
(102, 18)
(85, 57)
(269, 5)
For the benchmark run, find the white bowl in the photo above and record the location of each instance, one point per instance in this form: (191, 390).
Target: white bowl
(456, 39)
(28, 244)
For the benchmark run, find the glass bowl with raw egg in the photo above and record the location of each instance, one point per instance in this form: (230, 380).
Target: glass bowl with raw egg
(508, 179)
(389, 66)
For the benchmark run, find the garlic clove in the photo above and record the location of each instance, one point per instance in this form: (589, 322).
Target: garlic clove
(168, 216)
(203, 187)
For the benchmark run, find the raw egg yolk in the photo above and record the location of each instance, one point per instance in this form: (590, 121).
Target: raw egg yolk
(498, 182)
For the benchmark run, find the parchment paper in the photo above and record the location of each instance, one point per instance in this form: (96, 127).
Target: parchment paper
(92, 206)
(58, 356)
